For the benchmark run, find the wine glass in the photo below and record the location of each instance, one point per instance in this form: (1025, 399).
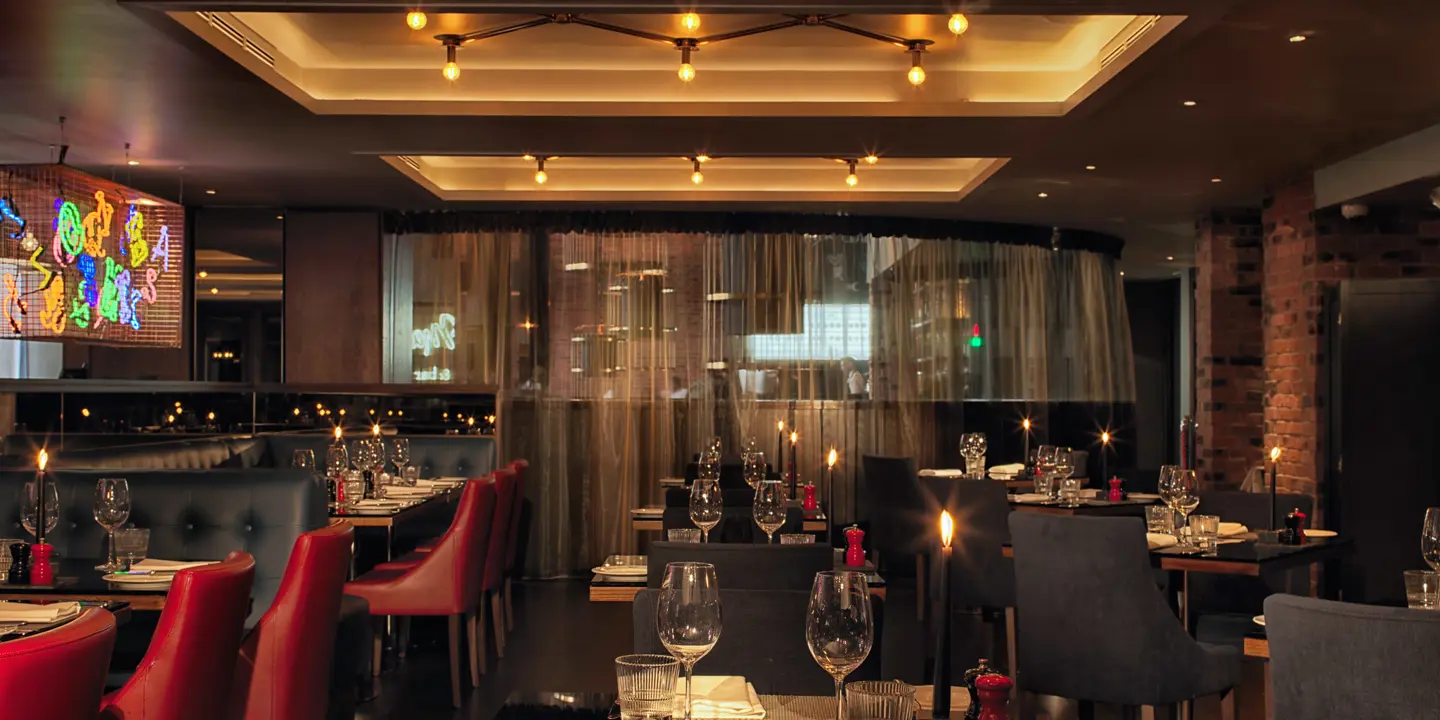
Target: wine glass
(303, 459)
(754, 469)
(972, 448)
(1185, 496)
(1062, 466)
(706, 502)
(112, 509)
(838, 627)
(30, 506)
(1430, 538)
(687, 615)
(337, 460)
(400, 454)
(770, 507)
(1044, 469)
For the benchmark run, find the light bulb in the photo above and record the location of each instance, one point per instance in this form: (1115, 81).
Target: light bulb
(690, 21)
(852, 180)
(697, 177)
(916, 76)
(541, 177)
(686, 72)
(958, 24)
(416, 20)
(451, 71)
(702, 157)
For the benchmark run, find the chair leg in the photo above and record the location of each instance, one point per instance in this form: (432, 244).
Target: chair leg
(455, 660)
(509, 606)
(482, 652)
(402, 636)
(920, 597)
(475, 650)
(377, 653)
(497, 612)
(1227, 705)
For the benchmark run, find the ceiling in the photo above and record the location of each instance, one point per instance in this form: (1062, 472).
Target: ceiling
(198, 119)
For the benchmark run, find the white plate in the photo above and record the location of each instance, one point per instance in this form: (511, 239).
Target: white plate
(1320, 533)
(162, 579)
(1259, 620)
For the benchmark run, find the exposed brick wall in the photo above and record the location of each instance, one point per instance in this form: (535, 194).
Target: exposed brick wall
(1229, 346)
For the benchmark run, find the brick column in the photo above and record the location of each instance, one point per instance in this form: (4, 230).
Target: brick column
(1229, 346)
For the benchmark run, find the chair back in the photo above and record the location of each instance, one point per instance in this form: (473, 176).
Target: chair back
(898, 511)
(522, 468)
(58, 674)
(763, 640)
(980, 574)
(283, 672)
(187, 671)
(494, 566)
(745, 566)
(1095, 626)
(1341, 660)
(454, 572)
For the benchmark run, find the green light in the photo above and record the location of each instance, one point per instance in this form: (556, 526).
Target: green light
(976, 342)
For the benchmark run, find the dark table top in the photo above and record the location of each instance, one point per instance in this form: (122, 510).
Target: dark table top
(77, 576)
(871, 576)
(1247, 557)
(121, 611)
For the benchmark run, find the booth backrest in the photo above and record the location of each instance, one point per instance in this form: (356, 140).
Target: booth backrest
(195, 454)
(191, 515)
(467, 456)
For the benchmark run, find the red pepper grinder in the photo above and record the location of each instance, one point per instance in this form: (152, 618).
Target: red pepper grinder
(994, 692)
(854, 553)
(1116, 493)
(41, 572)
(810, 502)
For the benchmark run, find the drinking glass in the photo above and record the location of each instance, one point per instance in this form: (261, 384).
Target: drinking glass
(1044, 469)
(30, 507)
(354, 487)
(770, 508)
(112, 509)
(1184, 495)
(1430, 538)
(706, 502)
(647, 686)
(880, 700)
(683, 535)
(754, 469)
(1160, 519)
(1422, 589)
(838, 627)
(303, 459)
(410, 476)
(337, 460)
(1062, 486)
(131, 544)
(1166, 483)
(797, 539)
(687, 615)
(399, 452)
(1205, 531)
(972, 448)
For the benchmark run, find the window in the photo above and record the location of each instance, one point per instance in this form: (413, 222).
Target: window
(831, 332)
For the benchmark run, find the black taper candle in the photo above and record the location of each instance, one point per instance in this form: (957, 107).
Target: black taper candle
(941, 681)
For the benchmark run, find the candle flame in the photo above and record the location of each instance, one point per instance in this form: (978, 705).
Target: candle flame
(1025, 424)
(1105, 437)
(780, 426)
(794, 438)
(1275, 454)
(375, 429)
(44, 458)
(338, 433)
(947, 527)
(830, 461)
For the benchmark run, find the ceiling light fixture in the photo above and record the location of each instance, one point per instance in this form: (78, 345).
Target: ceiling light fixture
(132, 162)
(871, 159)
(451, 71)
(696, 177)
(214, 291)
(528, 157)
(702, 157)
(540, 175)
(916, 48)
(1169, 257)
(958, 24)
(1189, 103)
(203, 274)
(686, 72)
(1214, 180)
(1299, 38)
(1043, 195)
(1089, 167)
(690, 21)
(852, 179)
(416, 20)
(209, 192)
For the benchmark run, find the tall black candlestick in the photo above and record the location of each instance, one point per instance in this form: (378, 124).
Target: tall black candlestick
(941, 680)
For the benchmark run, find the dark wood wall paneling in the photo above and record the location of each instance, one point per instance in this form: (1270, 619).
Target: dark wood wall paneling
(332, 297)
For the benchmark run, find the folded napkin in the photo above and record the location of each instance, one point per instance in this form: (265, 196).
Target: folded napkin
(32, 613)
(409, 492)
(721, 696)
(164, 566)
(941, 472)
(1011, 469)
(959, 697)
(381, 504)
(1228, 528)
(1157, 541)
(1030, 497)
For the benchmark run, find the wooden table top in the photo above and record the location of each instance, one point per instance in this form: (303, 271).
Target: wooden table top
(397, 516)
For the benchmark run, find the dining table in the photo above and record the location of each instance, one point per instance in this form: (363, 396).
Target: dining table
(579, 705)
(385, 516)
(77, 579)
(12, 631)
(1092, 507)
(651, 519)
(624, 588)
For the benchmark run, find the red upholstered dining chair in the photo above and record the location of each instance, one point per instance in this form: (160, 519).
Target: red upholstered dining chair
(283, 672)
(505, 483)
(522, 468)
(58, 674)
(187, 671)
(445, 581)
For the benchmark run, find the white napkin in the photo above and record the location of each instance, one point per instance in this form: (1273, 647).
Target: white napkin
(170, 566)
(1157, 541)
(409, 492)
(1228, 529)
(380, 504)
(31, 613)
(721, 696)
(1011, 469)
(942, 472)
(1030, 497)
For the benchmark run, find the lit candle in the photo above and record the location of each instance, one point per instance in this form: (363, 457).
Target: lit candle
(1274, 469)
(40, 496)
(794, 456)
(1104, 457)
(1025, 425)
(830, 479)
(941, 681)
(339, 432)
(375, 430)
(780, 446)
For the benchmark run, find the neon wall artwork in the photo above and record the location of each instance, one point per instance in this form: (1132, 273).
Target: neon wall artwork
(88, 259)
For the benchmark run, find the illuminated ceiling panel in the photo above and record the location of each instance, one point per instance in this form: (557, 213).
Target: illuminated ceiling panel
(373, 64)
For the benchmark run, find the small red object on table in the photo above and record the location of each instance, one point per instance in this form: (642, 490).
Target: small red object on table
(854, 553)
(810, 502)
(994, 692)
(1116, 493)
(41, 571)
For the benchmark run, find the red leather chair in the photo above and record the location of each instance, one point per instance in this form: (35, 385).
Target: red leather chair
(521, 467)
(495, 554)
(187, 671)
(283, 672)
(445, 581)
(58, 674)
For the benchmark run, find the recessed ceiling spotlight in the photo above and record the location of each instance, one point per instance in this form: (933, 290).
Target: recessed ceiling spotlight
(702, 157)
(871, 159)
(528, 156)
(1214, 180)
(1299, 38)
(1169, 257)
(202, 274)
(132, 162)
(1043, 195)
(1189, 103)
(214, 291)
(209, 192)
(1122, 273)
(279, 217)
(1089, 167)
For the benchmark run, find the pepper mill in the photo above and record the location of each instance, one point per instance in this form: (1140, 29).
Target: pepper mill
(41, 571)
(994, 691)
(19, 564)
(1294, 533)
(810, 503)
(854, 552)
(1117, 493)
(971, 675)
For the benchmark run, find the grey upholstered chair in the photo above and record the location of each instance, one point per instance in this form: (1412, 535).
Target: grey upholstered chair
(745, 566)
(763, 639)
(899, 514)
(1093, 627)
(980, 575)
(1341, 660)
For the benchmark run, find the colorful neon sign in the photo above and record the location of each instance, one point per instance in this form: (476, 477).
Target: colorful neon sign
(103, 274)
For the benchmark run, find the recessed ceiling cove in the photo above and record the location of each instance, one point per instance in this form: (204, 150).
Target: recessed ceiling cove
(631, 65)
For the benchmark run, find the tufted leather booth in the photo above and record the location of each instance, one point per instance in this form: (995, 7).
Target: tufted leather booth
(192, 515)
(58, 674)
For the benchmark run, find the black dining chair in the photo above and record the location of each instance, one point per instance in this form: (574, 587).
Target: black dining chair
(742, 566)
(1092, 625)
(981, 577)
(763, 639)
(1334, 661)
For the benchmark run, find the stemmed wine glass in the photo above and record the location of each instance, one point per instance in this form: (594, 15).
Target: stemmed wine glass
(1430, 538)
(754, 469)
(972, 448)
(112, 509)
(30, 507)
(706, 503)
(687, 615)
(770, 507)
(1062, 467)
(1183, 496)
(838, 627)
(1044, 469)
(399, 453)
